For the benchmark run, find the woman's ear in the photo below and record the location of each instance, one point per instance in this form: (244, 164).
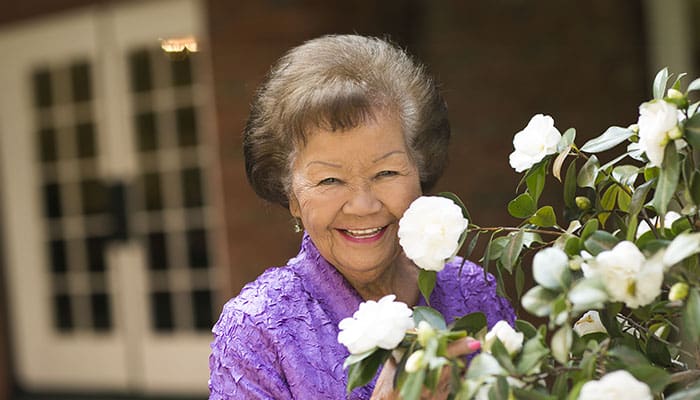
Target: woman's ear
(294, 207)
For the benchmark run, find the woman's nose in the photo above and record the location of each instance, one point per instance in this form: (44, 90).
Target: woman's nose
(362, 201)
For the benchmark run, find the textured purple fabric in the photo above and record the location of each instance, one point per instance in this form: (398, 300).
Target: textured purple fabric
(278, 338)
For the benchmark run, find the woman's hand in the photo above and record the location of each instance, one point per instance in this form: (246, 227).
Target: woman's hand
(384, 388)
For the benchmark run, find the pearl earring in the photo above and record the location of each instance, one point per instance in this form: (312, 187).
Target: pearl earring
(297, 225)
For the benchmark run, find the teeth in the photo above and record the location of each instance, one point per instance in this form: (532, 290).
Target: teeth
(363, 232)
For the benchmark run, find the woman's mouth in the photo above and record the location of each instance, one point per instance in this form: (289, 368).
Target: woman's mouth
(363, 235)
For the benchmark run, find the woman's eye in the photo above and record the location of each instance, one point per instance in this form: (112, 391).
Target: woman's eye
(386, 173)
(329, 181)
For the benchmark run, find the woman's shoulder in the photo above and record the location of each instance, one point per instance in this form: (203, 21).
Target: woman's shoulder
(277, 291)
(462, 270)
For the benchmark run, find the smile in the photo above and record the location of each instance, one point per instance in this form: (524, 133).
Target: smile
(363, 235)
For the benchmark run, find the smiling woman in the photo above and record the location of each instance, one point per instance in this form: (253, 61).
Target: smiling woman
(345, 132)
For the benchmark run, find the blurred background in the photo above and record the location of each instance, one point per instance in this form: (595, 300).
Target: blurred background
(126, 217)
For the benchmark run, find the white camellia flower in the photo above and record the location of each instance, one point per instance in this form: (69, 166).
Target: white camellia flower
(512, 340)
(657, 119)
(618, 385)
(589, 323)
(628, 276)
(429, 231)
(380, 323)
(669, 219)
(539, 139)
(549, 267)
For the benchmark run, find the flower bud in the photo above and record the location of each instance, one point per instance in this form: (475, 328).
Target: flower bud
(425, 333)
(583, 203)
(634, 128)
(674, 94)
(415, 361)
(679, 291)
(675, 133)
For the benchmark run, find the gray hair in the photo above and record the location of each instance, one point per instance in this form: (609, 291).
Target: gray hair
(337, 83)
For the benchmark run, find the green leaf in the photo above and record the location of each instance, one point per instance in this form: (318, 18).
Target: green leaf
(499, 351)
(532, 354)
(526, 328)
(496, 247)
(355, 358)
(472, 323)
(692, 393)
(668, 180)
(658, 352)
(656, 378)
(682, 246)
(484, 365)
(607, 140)
(499, 391)
(359, 374)
(559, 162)
(589, 228)
(691, 316)
(519, 281)
(413, 385)
(426, 283)
(530, 394)
(677, 83)
(544, 217)
(692, 130)
(570, 185)
(608, 317)
(538, 301)
(694, 85)
(429, 315)
(561, 343)
(567, 139)
(660, 81)
(695, 187)
(522, 206)
(625, 174)
(623, 200)
(607, 203)
(535, 180)
(511, 252)
(600, 241)
(588, 173)
(639, 197)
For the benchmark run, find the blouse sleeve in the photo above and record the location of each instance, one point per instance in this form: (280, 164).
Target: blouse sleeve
(243, 363)
(483, 289)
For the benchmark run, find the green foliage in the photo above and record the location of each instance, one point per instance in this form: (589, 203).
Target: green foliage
(643, 323)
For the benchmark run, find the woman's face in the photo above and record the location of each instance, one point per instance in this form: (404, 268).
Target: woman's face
(350, 189)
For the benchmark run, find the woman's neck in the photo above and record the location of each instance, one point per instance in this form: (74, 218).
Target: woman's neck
(401, 279)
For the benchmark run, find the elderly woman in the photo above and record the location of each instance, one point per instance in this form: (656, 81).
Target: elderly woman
(345, 132)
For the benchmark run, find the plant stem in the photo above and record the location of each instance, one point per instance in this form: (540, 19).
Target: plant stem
(496, 229)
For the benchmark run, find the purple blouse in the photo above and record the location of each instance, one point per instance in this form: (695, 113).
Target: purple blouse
(278, 338)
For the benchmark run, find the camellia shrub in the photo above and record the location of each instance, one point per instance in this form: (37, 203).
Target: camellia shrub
(617, 271)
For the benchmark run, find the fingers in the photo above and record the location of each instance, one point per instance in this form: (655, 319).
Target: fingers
(463, 347)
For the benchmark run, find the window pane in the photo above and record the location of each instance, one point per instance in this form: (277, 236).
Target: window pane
(146, 131)
(197, 254)
(162, 311)
(152, 191)
(63, 316)
(157, 251)
(141, 80)
(186, 127)
(47, 145)
(182, 71)
(202, 309)
(94, 197)
(42, 88)
(59, 262)
(85, 135)
(95, 246)
(192, 188)
(52, 200)
(101, 316)
(80, 80)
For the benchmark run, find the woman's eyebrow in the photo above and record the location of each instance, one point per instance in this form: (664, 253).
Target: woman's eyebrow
(391, 153)
(326, 163)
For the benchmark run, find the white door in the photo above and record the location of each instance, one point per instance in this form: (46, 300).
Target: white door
(111, 233)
